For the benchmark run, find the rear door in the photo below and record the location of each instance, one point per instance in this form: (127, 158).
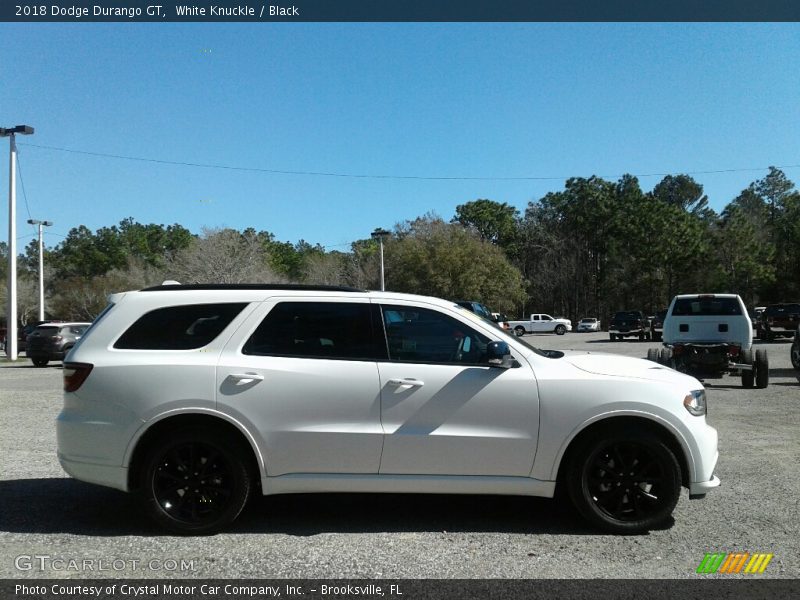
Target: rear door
(302, 373)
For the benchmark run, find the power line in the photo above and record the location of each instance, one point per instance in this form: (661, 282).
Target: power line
(383, 176)
(22, 185)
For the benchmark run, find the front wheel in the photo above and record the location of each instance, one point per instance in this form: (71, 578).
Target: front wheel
(519, 330)
(40, 362)
(794, 353)
(195, 482)
(561, 330)
(624, 482)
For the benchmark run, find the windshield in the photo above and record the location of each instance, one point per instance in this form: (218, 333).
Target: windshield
(631, 314)
(706, 307)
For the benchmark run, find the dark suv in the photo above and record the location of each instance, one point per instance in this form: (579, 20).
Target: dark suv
(629, 323)
(778, 320)
(52, 341)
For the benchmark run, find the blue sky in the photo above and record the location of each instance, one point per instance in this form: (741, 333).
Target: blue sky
(427, 100)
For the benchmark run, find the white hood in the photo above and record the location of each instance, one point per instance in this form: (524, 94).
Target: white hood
(624, 366)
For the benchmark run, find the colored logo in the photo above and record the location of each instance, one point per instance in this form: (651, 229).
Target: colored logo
(734, 562)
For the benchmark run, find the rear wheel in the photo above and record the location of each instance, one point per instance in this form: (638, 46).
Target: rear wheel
(762, 369)
(652, 354)
(747, 376)
(624, 482)
(40, 362)
(612, 337)
(561, 330)
(519, 330)
(195, 482)
(794, 353)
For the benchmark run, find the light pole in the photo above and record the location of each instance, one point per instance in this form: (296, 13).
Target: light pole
(379, 234)
(11, 314)
(41, 264)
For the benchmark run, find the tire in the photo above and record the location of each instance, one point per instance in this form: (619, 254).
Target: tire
(636, 498)
(747, 376)
(794, 353)
(612, 337)
(652, 354)
(642, 337)
(221, 493)
(519, 330)
(561, 330)
(762, 369)
(40, 362)
(665, 358)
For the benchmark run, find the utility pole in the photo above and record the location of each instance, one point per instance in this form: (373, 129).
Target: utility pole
(379, 234)
(41, 264)
(11, 314)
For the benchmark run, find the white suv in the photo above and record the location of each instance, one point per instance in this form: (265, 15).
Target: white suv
(197, 396)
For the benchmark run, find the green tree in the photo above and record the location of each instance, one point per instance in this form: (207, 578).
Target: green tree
(494, 222)
(430, 257)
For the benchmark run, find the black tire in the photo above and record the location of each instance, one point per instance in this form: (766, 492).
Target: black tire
(612, 337)
(747, 376)
(221, 491)
(762, 369)
(641, 337)
(40, 362)
(652, 354)
(794, 353)
(665, 358)
(561, 330)
(624, 482)
(519, 330)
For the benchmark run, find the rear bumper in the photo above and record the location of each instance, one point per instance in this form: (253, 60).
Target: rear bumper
(115, 477)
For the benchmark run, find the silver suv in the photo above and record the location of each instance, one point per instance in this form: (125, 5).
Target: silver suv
(194, 397)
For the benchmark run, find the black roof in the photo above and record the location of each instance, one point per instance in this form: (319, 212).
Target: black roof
(250, 286)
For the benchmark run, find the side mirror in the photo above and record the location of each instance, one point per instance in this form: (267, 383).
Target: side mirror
(498, 355)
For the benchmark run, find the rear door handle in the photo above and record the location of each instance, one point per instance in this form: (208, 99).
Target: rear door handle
(245, 378)
(408, 381)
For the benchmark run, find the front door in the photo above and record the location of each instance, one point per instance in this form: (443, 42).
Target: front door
(444, 411)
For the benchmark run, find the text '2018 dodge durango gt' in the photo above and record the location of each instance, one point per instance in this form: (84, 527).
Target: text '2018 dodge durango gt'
(196, 396)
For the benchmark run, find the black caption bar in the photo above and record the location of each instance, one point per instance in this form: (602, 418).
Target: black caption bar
(398, 10)
(400, 589)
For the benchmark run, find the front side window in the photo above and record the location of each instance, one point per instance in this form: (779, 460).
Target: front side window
(427, 336)
(334, 330)
(183, 327)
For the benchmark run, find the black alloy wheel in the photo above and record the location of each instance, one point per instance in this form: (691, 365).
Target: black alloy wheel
(625, 482)
(195, 482)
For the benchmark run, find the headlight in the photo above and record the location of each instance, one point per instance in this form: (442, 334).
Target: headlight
(695, 402)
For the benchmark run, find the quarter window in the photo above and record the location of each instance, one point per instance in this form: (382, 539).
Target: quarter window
(182, 327)
(425, 336)
(334, 330)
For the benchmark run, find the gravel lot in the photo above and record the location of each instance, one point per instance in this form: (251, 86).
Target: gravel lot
(392, 536)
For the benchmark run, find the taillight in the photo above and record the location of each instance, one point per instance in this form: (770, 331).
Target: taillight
(734, 350)
(75, 374)
(677, 350)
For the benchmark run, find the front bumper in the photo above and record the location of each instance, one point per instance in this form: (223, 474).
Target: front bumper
(698, 489)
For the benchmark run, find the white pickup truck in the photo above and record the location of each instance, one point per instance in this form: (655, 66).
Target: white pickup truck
(541, 323)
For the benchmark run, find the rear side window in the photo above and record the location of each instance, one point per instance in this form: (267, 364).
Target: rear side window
(333, 330)
(706, 307)
(182, 327)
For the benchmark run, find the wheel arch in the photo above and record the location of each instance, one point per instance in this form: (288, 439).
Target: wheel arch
(175, 421)
(627, 422)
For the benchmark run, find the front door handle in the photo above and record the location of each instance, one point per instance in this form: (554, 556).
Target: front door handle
(408, 381)
(245, 378)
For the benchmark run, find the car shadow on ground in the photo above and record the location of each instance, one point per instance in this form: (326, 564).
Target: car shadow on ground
(64, 505)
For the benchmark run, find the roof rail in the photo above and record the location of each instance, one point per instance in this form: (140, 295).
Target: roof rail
(250, 286)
